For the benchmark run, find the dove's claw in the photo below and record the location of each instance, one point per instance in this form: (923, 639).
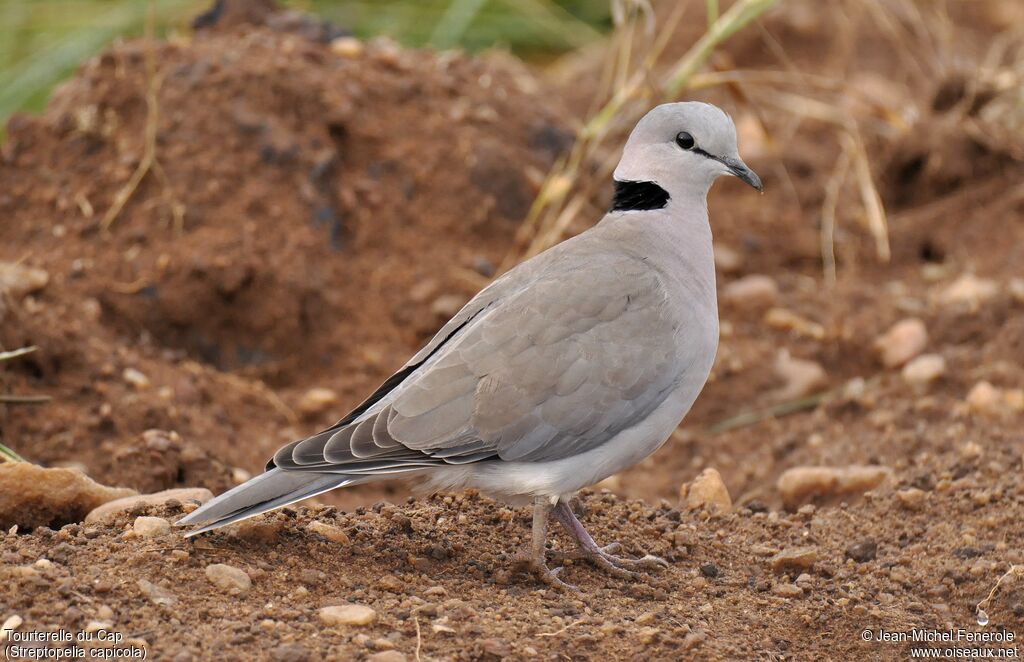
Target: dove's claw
(604, 557)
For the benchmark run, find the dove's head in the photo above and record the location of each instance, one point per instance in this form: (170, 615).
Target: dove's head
(682, 148)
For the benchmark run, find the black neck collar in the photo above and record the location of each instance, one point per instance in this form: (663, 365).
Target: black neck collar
(638, 196)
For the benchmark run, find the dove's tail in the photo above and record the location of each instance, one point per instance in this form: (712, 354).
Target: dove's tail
(274, 489)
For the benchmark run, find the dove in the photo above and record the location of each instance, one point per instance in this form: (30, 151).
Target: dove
(571, 367)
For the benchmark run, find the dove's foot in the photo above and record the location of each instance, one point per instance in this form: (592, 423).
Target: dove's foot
(539, 569)
(534, 559)
(603, 557)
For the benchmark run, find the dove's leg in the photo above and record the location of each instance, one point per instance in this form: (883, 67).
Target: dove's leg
(535, 558)
(603, 557)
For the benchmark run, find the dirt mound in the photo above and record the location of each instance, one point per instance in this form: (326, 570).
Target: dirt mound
(316, 208)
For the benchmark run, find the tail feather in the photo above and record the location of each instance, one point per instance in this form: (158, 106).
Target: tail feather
(273, 489)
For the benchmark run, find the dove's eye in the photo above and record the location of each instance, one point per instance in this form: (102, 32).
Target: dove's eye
(685, 140)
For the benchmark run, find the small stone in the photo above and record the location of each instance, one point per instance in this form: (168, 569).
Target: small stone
(754, 291)
(986, 399)
(228, 578)
(911, 499)
(150, 527)
(709, 570)
(801, 484)
(105, 613)
(435, 590)
(111, 508)
(902, 342)
(239, 475)
(924, 369)
(157, 594)
(969, 290)
(387, 656)
(707, 491)
(390, 583)
(787, 590)
(135, 378)
(329, 531)
(32, 496)
(18, 281)
(800, 377)
(290, 653)
(727, 259)
(447, 305)
(347, 47)
(804, 580)
(863, 551)
(96, 626)
(787, 320)
(316, 401)
(12, 623)
(794, 558)
(347, 615)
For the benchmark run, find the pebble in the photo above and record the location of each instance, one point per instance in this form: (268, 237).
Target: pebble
(135, 378)
(157, 594)
(150, 527)
(727, 259)
(911, 499)
(787, 320)
(753, 291)
(13, 622)
(390, 583)
(794, 557)
(316, 401)
(347, 615)
(347, 47)
(801, 484)
(903, 341)
(969, 290)
(182, 494)
(984, 398)
(924, 369)
(329, 531)
(863, 551)
(787, 590)
(228, 578)
(105, 613)
(800, 376)
(707, 491)
(18, 280)
(387, 656)
(289, 653)
(447, 305)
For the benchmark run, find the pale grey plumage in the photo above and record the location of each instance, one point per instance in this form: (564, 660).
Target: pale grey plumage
(570, 367)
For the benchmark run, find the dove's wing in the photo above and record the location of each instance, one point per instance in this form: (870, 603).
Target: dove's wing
(535, 369)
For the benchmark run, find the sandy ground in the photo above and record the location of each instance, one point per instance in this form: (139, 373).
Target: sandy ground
(311, 228)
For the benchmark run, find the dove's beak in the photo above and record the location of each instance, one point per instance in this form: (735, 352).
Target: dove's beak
(740, 169)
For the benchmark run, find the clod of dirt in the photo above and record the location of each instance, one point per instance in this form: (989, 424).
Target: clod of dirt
(862, 551)
(32, 496)
(802, 484)
(141, 502)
